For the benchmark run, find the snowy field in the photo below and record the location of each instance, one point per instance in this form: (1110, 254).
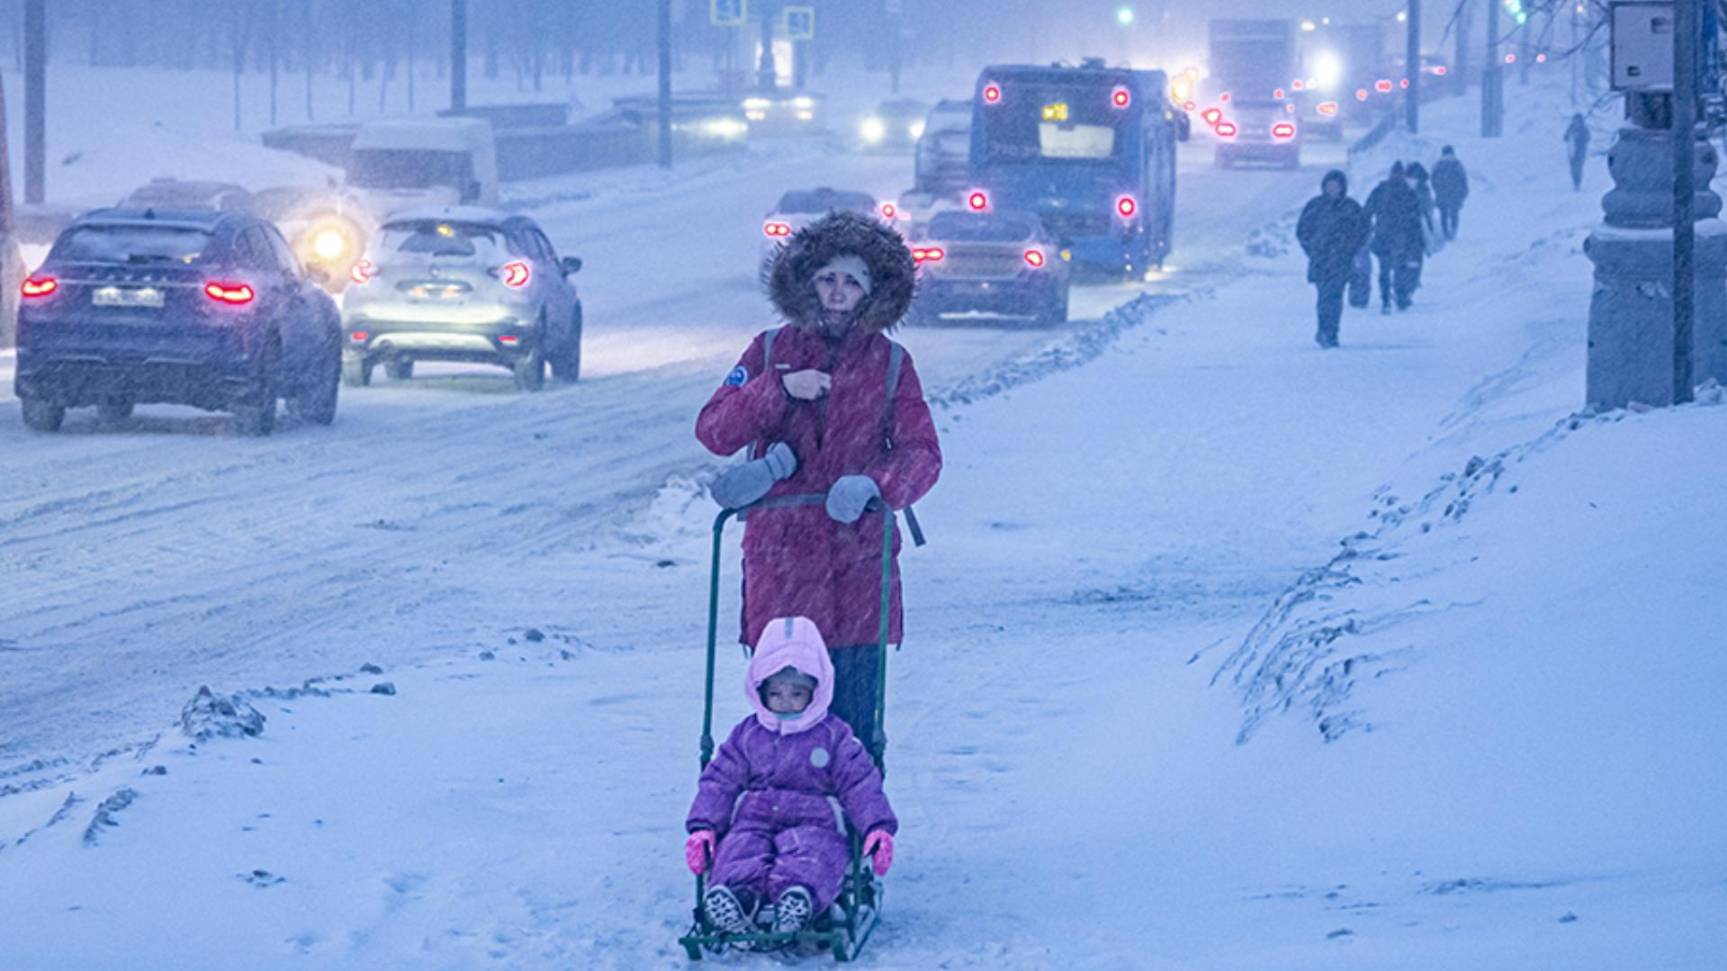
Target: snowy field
(1150, 712)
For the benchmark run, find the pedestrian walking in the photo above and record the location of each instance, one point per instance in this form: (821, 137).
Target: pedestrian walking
(1450, 189)
(1332, 231)
(1577, 148)
(835, 419)
(1395, 212)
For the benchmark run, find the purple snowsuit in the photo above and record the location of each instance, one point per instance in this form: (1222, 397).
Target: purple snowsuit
(783, 832)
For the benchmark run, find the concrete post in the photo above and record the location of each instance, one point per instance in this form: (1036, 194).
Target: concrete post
(1631, 310)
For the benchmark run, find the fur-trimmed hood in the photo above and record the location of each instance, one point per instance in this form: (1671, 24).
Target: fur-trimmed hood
(789, 275)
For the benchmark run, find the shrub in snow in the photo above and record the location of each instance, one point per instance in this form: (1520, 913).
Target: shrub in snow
(207, 716)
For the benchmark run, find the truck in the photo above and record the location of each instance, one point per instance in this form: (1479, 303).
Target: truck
(1089, 149)
(1253, 59)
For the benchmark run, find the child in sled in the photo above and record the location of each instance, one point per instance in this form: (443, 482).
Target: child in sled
(780, 843)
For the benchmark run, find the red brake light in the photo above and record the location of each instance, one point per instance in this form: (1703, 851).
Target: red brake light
(1441, 70)
(776, 229)
(509, 340)
(1539, 59)
(39, 286)
(362, 271)
(1188, 105)
(1404, 84)
(1226, 129)
(1297, 84)
(1034, 258)
(234, 293)
(1223, 98)
(359, 336)
(1277, 94)
(1283, 129)
(1361, 94)
(1121, 97)
(1326, 108)
(515, 274)
(1126, 206)
(928, 254)
(992, 94)
(1511, 58)
(889, 210)
(1212, 115)
(1383, 86)
(979, 201)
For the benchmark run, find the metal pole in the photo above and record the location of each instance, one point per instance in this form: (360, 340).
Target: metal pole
(1412, 68)
(1685, 35)
(665, 84)
(458, 55)
(35, 100)
(275, 73)
(1492, 79)
(1577, 55)
(766, 72)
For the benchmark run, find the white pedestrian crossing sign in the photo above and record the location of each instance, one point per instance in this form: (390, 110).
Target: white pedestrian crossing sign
(800, 23)
(728, 13)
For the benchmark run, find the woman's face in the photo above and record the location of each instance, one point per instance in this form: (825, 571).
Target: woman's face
(785, 697)
(839, 292)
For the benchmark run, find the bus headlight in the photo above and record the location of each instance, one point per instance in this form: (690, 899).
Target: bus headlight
(873, 130)
(329, 244)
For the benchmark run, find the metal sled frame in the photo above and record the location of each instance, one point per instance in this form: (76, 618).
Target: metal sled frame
(860, 899)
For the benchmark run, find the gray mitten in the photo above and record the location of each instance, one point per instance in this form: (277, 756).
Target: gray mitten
(743, 484)
(849, 496)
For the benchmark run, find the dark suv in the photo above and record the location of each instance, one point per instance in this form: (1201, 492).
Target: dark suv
(201, 308)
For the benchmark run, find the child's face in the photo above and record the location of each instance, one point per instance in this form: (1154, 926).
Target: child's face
(786, 697)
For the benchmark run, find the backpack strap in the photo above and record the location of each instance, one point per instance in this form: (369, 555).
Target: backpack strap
(760, 447)
(896, 359)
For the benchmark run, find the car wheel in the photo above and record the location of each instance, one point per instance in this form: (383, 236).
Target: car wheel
(567, 366)
(399, 368)
(41, 415)
(356, 372)
(1055, 314)
(114, 409)
(256, 416)
(316, 402)
(530, 370)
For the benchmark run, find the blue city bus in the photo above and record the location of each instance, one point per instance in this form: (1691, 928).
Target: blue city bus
(1090, 149)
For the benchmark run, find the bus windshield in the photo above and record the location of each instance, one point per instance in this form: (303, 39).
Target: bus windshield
(1054, 122)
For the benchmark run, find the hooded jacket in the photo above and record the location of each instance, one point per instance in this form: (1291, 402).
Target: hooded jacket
(1395, 209)
(1450, 182)
(767, 791)
(1331, 231)
(797, 561)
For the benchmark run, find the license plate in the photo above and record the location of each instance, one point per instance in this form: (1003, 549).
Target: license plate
(434, 291)
(126, 297)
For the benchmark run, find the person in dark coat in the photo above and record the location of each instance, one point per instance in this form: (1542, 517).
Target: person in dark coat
(1395, 211)
(1577, 148)
(811, 402)
(1332, 230)
(1450, 188)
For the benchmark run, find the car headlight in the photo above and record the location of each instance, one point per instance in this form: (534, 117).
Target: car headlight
(329, 244)
(873, 129)
(803, 101)
(915, 129)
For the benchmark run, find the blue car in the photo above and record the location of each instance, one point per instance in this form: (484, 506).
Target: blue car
(200, 308)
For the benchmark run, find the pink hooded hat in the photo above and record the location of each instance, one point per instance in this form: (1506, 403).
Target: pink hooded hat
(792, 642)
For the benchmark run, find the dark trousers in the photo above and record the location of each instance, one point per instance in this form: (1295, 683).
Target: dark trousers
(1330, 308)
(1576, 172)
(1448, 220)
(855, 682)
(1397, 278)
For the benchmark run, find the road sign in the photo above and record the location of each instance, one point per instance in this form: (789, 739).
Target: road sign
(728, 13)
(800, 23)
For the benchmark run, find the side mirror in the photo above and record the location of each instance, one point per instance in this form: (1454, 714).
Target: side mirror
(319, 275)
(570, 264)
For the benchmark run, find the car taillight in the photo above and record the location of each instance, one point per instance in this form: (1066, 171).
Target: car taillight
(889, 210)
(515, 274)
(1383, 86)
(1212, 115)
(230, 293)
(992, 94)
(1126, 207)
(1283, 130)
(1404, 84)
(362, 272)
(1298, 84)
(1277, 95)
(1223, 98)
(1121, 97)
(928, 254)
(1441, 71)
(1326, 108)
(509, 340)
(776, 230)
(1361, 94)
(978, 201)
(39, 286)
(1034, 258)
(1225, 129)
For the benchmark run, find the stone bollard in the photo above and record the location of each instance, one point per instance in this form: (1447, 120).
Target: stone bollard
(1631, 310)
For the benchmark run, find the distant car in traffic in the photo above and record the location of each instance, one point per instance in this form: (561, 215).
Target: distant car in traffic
(170, 193)
(800, 207)
(997, 264)
(1258, 131)
(944, 149)
(193, 307)
(1318, 115)
(785, 113)
(894, 126)
(462, 283)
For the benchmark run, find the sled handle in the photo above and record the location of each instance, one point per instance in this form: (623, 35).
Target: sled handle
(713, 635)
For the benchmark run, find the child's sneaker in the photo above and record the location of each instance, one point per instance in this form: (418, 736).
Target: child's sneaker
(724, 912)
(793, 911)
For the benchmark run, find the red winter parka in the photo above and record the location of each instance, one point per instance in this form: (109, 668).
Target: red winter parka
(798, 561)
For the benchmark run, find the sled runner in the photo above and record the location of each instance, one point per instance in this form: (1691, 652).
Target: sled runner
(847, 925)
